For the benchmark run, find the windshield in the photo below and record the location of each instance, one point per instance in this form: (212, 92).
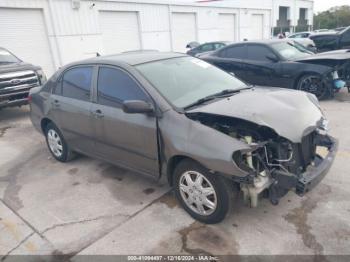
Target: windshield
(7, 57)
(185, 80)
(291, 51)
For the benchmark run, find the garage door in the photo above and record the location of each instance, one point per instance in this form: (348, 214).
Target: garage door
(23, 32)
(257, 27)
(120, 31)
(184, 30)
(226, 27)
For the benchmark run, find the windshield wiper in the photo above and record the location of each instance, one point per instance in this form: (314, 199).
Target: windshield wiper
(220, 94)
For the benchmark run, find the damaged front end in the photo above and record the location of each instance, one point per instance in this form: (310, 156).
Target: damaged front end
(339, 62)
(273, 164)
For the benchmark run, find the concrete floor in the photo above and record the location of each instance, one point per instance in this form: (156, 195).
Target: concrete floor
(90, 207)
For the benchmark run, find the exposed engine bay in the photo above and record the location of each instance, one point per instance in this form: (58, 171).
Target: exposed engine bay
(274, 165)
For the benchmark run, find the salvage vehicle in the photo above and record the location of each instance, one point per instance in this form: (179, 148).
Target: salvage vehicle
(206, 47)
(332, 40)
(172, 116)
(16, 79)
(283, 63)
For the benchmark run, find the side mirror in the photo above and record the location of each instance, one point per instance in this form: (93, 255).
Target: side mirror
(272, 58)
(137, 107)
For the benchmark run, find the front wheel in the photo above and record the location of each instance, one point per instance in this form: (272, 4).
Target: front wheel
(205, 196)
(312, 83)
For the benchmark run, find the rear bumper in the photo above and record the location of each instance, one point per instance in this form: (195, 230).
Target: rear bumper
(17, 98)
(316, 173)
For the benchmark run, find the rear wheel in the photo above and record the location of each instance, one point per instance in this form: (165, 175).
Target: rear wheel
(56, 144)
(206, 197)
(312, 83)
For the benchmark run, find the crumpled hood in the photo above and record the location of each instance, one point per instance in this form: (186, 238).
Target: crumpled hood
(343, 54)
(291, 114)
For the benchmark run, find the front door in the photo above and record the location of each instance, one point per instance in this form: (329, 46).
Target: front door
(126, 139)
(260, 70)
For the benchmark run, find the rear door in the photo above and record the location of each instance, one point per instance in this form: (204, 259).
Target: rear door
(71, 105)
(125, 139)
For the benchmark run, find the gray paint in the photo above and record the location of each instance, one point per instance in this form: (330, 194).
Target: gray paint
(131, 140)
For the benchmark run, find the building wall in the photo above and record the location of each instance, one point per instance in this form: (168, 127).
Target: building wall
(75, 34)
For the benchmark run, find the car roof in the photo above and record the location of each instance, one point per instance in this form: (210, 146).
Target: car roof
(131, 58)
(304, 32)
(220, 42)
(264, 42)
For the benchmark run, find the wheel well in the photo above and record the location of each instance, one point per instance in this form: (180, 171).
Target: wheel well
(44, 123)
(172, 163)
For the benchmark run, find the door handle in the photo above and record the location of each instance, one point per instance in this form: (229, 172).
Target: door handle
(98, 114)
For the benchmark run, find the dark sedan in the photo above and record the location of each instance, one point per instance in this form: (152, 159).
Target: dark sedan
(283, 63)
(207, 47)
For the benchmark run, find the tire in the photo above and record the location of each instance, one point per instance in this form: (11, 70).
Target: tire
(194, 202)
(312, 83)
(57, 144)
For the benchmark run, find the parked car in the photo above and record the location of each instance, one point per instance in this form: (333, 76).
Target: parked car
(338, 29)
(332, 40)
(321, 30)
(16, 79)
(306, 43)
(175, 116)
(305, 34)
(206, 47)
(282, 63)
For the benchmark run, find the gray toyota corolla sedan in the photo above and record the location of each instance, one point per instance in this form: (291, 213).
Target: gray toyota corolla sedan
(174, 116)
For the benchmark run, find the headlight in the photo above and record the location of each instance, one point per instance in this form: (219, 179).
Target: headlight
(324, 124)
(42, 76)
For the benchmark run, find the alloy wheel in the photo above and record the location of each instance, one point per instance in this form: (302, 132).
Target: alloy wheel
(313, 84)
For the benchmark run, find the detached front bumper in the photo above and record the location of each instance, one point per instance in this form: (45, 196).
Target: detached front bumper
(306, 181)
(318, 171)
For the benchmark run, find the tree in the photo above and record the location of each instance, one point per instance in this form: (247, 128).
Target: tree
(335, 17)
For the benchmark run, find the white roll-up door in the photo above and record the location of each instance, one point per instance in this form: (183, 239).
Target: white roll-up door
(183, 30)
(23, 32)
(257, 27)
(120, 31)
(226, 27)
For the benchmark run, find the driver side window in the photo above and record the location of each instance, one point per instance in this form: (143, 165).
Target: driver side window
(259, 53)
(114, 86)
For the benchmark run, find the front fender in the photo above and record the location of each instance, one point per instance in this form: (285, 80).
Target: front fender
(181, 136)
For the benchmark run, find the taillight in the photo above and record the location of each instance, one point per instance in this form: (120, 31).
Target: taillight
(29, 98)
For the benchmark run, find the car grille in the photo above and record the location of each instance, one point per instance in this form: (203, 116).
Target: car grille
(18, 80)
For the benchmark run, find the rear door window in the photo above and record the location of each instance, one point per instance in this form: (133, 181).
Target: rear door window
(235, 52)
(76, 83)
(115, 86)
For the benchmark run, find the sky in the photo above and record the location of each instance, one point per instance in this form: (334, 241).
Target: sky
(323, 5)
